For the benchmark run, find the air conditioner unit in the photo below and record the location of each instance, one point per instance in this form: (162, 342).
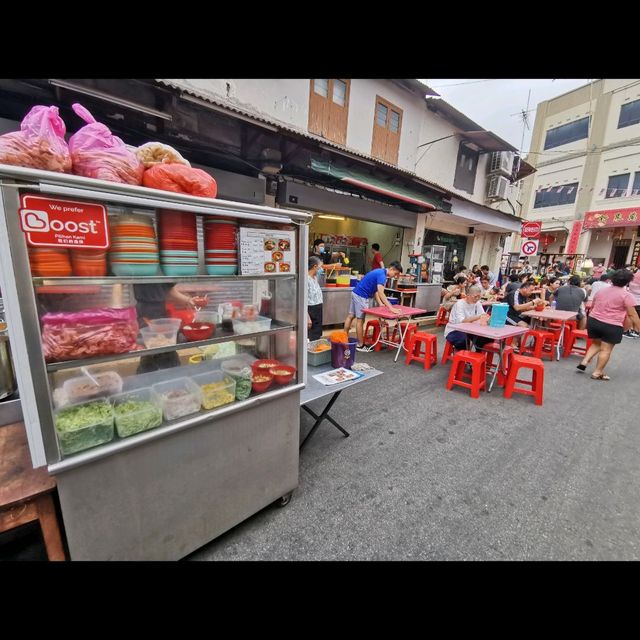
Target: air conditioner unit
(497, 188)
(501, 162)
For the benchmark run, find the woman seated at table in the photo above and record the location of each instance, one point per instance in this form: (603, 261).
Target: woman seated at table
(463, 311)
(489, 294)
(453, 292)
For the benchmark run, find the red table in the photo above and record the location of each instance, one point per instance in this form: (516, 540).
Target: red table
(557, 316)
(385, 315)
(497, 334)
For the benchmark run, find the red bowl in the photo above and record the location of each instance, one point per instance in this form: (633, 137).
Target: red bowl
(259, 387)
(197, 331)
(263, 366)
(283, 378)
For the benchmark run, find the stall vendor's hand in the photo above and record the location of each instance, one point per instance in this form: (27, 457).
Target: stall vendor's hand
(396, 310)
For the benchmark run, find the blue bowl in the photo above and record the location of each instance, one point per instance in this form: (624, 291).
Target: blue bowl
(134, 269)
(180, 270)
(222, 271)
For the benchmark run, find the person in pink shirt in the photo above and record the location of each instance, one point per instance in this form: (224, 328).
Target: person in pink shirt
(634, 289)
(611, 306)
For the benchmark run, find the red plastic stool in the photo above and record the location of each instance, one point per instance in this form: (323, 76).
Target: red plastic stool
(493, 349)
(540, 340)
(478, 376)
(373, 327)
(569, 327)
(414, 352)
(443, 317)
(448, 352)
(395, 336)
(570, 347)
(517, 362)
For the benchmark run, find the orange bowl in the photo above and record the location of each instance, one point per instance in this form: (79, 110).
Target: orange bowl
(263, 366)
(282, 373)
(540, 307)
(261, 381)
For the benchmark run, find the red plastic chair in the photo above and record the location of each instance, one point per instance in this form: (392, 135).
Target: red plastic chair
(478, 376)
(570, 347)
(493, 350)
(536, 384)
(430, 354)
(541, 340)
(373, 328)
(448, 352)
(395, 336)
(442, 318)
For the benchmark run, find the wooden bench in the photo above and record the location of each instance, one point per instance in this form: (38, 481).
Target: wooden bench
(25, 492)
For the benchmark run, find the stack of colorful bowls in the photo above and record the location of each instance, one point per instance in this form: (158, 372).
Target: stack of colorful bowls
(89, 263)
(48, 262)
(178, 243)
(134, 248)
(220, 246)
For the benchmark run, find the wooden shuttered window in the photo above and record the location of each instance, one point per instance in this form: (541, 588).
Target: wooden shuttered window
(329, 108)
(387, 124)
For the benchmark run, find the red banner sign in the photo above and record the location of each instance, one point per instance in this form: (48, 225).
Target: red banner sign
(629, 217)
(574, 237)
(62, 223)
(531, 229)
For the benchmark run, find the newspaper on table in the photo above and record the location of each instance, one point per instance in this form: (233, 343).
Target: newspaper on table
(338, 375)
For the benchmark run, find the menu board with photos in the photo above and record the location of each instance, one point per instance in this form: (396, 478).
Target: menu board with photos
(267, 251)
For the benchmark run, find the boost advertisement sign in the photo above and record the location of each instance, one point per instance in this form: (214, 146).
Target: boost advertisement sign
(49, 222)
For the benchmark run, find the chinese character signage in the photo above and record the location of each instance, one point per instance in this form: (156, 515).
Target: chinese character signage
(574, 237)
(629, 217)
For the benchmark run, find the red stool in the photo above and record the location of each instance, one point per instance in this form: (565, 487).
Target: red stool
(448, 352)
(517, 362)
(540, 340)
(570, 347)
(569, 327)
(414, 352)
(443, 317)
(395, 336)
(457, 375)
(373, 327)
(493, 349)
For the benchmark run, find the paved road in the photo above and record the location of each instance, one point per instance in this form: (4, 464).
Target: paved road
(434, 475)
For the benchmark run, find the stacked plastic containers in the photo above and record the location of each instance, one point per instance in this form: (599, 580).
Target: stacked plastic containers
(134, 248)
(178, 243)
(50, 263)
(221, 248)
(90, 263)
(498, 314)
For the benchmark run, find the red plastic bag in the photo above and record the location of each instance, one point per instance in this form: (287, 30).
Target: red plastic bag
(97, 153)
(39, 144)
(89, 333)
(180, 179)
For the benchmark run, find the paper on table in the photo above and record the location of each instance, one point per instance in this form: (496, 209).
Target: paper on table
(338, 375)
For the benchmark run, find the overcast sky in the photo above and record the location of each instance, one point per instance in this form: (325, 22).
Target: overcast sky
(491, 103)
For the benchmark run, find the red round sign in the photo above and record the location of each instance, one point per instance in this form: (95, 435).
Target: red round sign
(529, 248)
(531, 229)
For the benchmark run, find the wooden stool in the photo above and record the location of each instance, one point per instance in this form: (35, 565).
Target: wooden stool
(373, 327)
(570, 347)
(540, 339)
(414, 352)
(518, 362)
(457, 375)
(442, 318)
(448, 352)
(26, 493)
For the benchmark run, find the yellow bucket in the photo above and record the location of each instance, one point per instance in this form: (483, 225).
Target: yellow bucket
(343, 280)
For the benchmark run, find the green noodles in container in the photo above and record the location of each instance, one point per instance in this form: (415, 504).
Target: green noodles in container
(239, 368)
(137, 411)
(82, 426)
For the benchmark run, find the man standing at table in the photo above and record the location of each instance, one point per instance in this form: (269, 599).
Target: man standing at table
(371, 285)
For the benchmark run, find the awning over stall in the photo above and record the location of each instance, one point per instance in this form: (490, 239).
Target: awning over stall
(365, 181)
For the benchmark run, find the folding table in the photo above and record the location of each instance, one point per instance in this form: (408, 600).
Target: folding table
(498, 334)
(314, 390)
(557, 316)
(385, 315)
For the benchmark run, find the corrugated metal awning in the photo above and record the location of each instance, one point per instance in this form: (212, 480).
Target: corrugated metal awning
(358, 179)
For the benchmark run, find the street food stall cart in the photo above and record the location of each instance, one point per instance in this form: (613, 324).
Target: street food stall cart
(157, 445)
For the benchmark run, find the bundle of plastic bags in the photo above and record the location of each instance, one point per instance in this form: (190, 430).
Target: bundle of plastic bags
(97, 153)
(153, 153)
(180, 179)
(39, 144)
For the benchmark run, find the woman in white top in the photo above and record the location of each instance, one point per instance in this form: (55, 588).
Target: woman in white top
(314, 299)
(467, 310)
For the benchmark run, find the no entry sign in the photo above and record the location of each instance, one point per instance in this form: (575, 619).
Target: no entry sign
(63, 223)
(531, 229)
(529, 247)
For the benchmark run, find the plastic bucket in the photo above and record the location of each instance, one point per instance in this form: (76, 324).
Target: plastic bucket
(498, 314)
(343, 354)
(393, 300)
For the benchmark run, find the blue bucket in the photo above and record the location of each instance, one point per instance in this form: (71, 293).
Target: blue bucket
(498, 314)
(343, 354)
(393, 300)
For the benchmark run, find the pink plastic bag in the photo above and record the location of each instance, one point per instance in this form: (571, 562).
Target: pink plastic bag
(89, 333)
(39, 144)
(97, 153)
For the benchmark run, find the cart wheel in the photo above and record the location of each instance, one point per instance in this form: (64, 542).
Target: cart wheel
(285, 500)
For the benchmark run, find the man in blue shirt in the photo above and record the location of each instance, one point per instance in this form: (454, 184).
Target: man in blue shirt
(371, 285)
